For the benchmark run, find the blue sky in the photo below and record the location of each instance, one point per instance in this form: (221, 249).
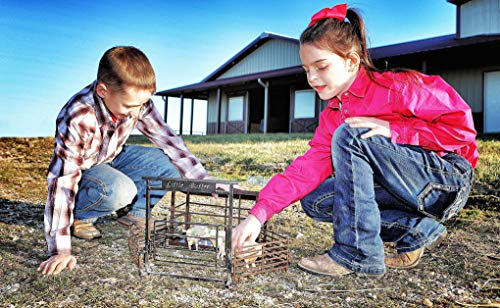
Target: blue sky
(49, 50)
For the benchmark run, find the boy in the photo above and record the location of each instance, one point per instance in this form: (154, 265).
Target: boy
(92, 172)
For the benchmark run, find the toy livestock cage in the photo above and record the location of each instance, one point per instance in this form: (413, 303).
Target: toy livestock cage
(194, 240)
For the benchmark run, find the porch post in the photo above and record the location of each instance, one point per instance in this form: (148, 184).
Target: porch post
(266, 104)
(219, 98)
(165, 112)
(191, 124)
(182, 114)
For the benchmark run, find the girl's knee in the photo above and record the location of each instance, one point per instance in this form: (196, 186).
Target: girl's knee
(344, 134)
(307, 205)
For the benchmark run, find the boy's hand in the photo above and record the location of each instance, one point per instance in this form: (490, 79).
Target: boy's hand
(57, 263)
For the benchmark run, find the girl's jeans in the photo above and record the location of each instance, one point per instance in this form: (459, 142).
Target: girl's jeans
(383, 191)
(108, 187)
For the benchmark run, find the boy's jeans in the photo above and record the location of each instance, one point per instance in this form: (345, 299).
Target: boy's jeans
(108, 187)
(383, 191)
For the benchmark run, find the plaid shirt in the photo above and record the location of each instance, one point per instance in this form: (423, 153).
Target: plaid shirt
(87, 136)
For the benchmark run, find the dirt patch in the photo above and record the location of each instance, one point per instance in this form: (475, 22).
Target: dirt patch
(463, 271)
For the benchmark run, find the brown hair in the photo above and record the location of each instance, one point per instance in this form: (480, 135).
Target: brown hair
(126, 66)
(343, 37)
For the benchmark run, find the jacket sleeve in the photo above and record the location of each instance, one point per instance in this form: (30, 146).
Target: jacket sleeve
(63, 177)
(433, 116)
(160, 133)
(303, 175)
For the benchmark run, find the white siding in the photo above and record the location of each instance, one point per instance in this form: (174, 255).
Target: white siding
(480, 17)
(469, 84)
(272, 55)
(212, 106)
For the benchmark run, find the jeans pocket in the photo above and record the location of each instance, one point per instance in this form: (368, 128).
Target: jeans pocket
(442, 202)
(91, 194)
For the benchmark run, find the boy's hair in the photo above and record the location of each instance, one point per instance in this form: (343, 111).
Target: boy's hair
(123, 66)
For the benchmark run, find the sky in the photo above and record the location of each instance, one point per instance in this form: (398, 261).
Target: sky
(49, 50)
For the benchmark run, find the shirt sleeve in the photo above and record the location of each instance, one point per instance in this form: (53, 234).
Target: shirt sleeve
(63, 177)
(434, 116)
(160, 133)
(303, 175)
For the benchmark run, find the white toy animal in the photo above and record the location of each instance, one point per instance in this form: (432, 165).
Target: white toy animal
(195, 234)
(221, 241)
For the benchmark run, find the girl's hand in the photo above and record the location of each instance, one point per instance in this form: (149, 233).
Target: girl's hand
(377, 126)
(247, 231)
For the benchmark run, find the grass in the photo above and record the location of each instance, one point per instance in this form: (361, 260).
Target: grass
(462, 270)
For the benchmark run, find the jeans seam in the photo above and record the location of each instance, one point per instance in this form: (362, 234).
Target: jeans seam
(356, 235)
(101, 198)
(421, 240)
(319, 200)
(435, 170)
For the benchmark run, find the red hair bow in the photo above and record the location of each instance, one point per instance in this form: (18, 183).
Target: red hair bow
(338, 12)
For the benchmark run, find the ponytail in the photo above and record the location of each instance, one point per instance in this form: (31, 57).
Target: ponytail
(342, 37)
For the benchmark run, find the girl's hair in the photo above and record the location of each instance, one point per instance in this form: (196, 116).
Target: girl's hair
(343, 37)
(123, 66)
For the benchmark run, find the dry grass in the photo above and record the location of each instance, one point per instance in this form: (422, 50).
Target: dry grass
(461, 272)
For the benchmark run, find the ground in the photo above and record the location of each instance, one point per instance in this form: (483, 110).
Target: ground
(463, 271)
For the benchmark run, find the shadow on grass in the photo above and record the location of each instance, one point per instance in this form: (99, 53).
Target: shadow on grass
(22, 241)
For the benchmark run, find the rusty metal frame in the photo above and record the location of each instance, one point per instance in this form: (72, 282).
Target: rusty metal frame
(166, 241)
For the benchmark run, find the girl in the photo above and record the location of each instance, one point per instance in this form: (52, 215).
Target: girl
(400, 145)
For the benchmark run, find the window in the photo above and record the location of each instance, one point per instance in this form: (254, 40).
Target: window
(305, 104)
(235, 108)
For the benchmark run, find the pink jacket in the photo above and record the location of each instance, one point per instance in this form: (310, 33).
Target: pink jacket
(422, 110)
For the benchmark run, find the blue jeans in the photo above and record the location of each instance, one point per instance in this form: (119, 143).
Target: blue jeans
(383, 191)
(108, 187)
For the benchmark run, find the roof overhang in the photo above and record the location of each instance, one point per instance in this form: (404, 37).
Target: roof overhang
(426, 46)
(431, 45)
(458, 2)
(204, 86)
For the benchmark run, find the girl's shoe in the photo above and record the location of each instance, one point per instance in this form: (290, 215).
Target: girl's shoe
(323, 265)
(410, 259)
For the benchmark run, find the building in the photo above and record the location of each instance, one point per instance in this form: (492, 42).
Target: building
(263, 88)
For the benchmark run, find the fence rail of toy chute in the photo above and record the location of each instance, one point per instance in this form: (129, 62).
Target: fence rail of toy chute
(173, 248)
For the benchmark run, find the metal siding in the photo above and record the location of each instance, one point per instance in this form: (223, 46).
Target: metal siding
(480, 17)
(468, 83)
(272, 55)
(212, 107)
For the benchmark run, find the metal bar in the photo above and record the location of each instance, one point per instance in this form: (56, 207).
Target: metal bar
(181, 115)
(165, 112)
(169, 245)
(192, 112)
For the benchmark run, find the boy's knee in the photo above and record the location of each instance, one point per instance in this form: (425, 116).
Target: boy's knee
(121, 192)
(160, 164)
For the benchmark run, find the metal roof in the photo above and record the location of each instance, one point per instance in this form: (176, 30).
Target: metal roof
(408, 48)
(255, 44)
(431, 44)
